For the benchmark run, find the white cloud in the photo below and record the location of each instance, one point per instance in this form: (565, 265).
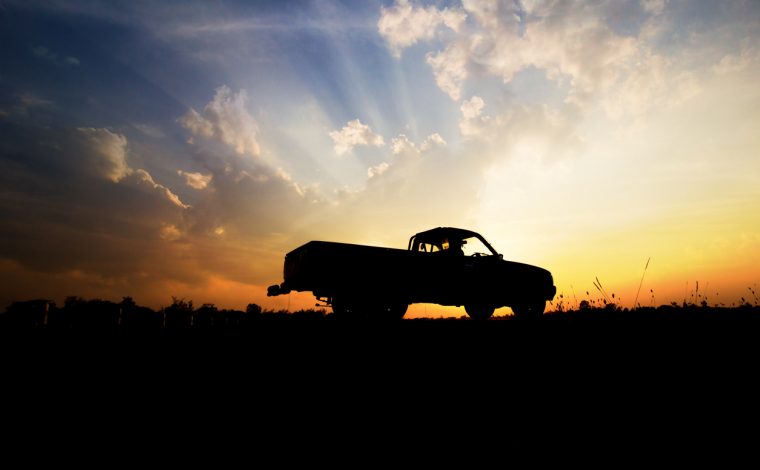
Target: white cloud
(650, 84)
(378, 170)
(433, 140)
(572, 43)
(226, 119)
(472, 123)
(149, 130)
(110, 153)
(405, 151)
(143, 179)
(196, 180)
(352, 134)
(402, 25)
(472, 108)
(567, 43)
(402, 145)
(106, 156)
(449, 69)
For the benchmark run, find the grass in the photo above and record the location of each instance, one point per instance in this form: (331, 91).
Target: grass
(181, 314)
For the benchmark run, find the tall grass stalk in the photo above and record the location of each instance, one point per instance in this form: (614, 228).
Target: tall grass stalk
(599, 287)
(636, 300)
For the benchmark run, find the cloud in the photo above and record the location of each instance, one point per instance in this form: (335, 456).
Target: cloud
(573, 43)
(106, 155)
(655, 7)
(567, 41)
(109, 151)
(472, 123)
(170, 233)
(433, 140)
(227, 120)
(472, 107)
(377, 170)
(142, 179)
(29, 103)
(449, 69)
(402, 25)
(402, 145)
(354, 133)
(98, 215)
(651, 83)
(30, 100)
(149, 130)
(196, 180)
(45, 53)
(404, 150)
(734, 63)
(545, 132)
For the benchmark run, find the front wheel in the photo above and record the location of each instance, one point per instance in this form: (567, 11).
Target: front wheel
(529, 310)
(392, 311)
(479, 311)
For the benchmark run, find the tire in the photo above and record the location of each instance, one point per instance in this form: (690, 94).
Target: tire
(529, 310)
(394, 311)
(355, 310)
(344, 309)
(479, 311)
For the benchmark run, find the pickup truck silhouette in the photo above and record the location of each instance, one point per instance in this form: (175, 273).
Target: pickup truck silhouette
(445, 265)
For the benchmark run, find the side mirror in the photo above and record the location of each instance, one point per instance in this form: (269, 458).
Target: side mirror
(501, 256)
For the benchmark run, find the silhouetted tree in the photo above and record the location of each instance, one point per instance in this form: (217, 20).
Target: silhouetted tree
(204, 316)
(232, 318)
(135, 317)
(28, 314)
(179, 314)
(253, 310)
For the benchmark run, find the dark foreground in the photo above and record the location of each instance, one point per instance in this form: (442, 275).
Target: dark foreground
(600, 384)
(87, 315)
(700, 330)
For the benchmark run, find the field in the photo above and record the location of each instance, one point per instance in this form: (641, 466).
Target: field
(78, 313)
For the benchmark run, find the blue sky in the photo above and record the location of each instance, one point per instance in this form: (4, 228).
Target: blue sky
(181, 148)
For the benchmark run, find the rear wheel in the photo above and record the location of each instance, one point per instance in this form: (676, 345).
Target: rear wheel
(343, 308)
(529, 310)
(479, 311)
(353, 309)
(394, 311)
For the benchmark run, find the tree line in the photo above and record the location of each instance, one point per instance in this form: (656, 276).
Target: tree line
(181, 314)
(79, 313)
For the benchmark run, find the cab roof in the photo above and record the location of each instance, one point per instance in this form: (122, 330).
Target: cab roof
(435, 235)
(439, 233)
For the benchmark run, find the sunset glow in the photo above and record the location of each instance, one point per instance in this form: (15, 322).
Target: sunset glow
(181, 149)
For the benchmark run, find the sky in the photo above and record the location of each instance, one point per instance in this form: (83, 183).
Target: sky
(180, 149)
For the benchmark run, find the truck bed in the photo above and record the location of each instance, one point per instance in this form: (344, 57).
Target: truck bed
(324, 267)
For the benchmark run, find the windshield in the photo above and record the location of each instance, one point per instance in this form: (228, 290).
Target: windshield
(473, 245)
(468, 246)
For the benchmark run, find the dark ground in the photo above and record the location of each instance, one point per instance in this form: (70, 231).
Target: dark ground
(651, 386)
